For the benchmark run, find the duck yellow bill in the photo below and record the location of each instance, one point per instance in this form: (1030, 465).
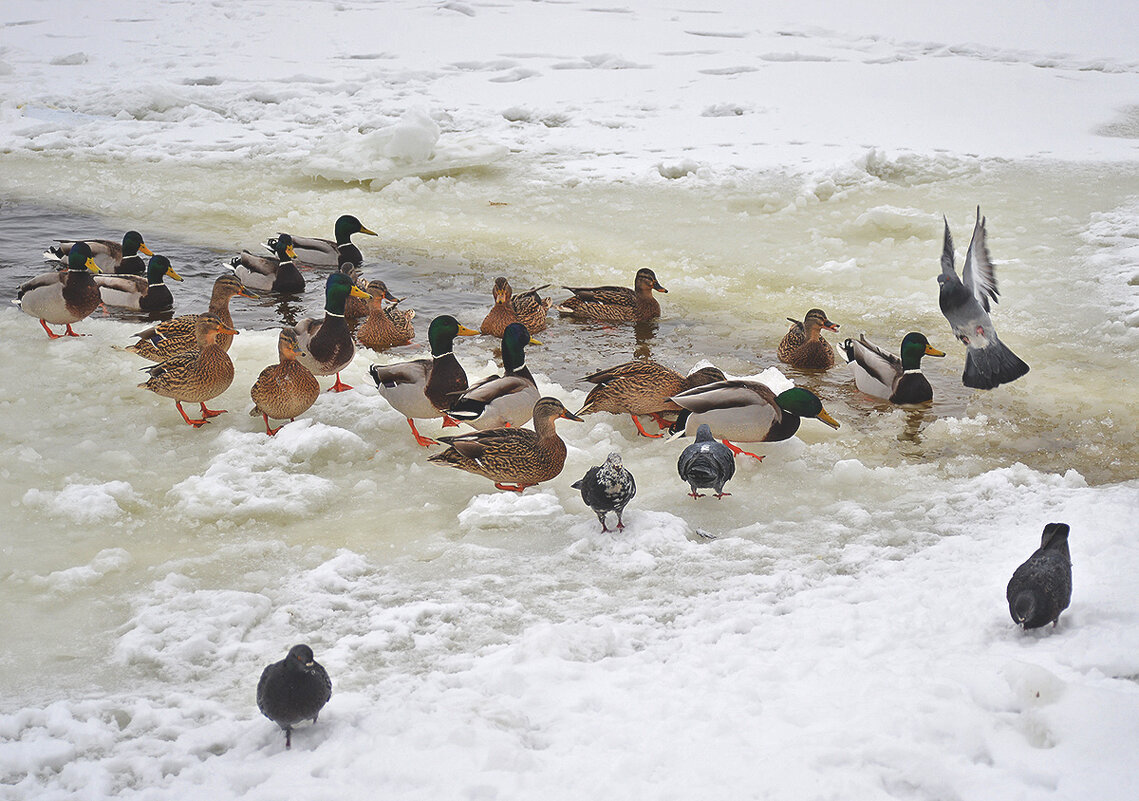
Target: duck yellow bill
(292, 254)
(146, 250)
(466, 332)
(826, 418)
(171, 274)
(534, 341)
(359, 293)
(364, 230)
(92, 266)
(930, 350)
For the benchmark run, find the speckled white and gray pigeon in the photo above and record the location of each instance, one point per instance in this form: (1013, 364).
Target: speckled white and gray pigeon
(607, 488)
(1041, 588)
(965, 303)
(706, 464)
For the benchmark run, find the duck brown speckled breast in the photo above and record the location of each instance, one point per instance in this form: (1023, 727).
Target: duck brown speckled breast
(804, 347)
(615, 303)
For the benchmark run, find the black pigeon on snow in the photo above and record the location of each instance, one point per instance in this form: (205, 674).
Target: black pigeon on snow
(965, 303)
(706, 464)
(1041, 588)
(293, 690)
(607, 488)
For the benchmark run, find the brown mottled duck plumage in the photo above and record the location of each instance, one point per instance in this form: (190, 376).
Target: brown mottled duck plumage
(176, 335)
(516, 455)
(286, 389)
(616, 303)
(803, 347)
(526, 308)
(642, 387)
(385, 327)
(195, 376)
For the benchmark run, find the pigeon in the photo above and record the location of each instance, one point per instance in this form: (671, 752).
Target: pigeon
(607, 488)
(706, 463)
(292, 690)
(965, 303)
(1041, 588)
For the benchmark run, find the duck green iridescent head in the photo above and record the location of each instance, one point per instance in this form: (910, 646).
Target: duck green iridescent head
(442, 332)
(347, 225)
(132, 244)
(336, 291)
(914, 346)
(159, 268)
(283, 247)
(804, 403)
(515, 338)
(79, 258)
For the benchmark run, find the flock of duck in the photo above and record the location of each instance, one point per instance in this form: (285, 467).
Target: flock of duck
(191, 365)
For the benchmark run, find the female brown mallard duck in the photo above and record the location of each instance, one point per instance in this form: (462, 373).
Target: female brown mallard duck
(385, 327)
(516, 455)
(884, 375)
(112, 257)
(803, 347)
(326, 345)
(422, 389)
(176, 335)
(62, 297)
(196, 376)
(616, 303)
(276, 273)
(642, 387)
(285, 389)
(499, 401)
(527, 308)
(747, 411)
(147, 293)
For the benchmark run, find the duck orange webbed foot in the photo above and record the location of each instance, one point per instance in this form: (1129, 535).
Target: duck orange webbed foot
(426, 442)
(194, 423)
(641, 429)
(339, 386)
(208, 413)
(512, 487)
(736, 450)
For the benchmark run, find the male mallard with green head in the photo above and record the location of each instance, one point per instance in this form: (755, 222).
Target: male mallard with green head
(147, 293)
(62, 297)
(884, 375)
(501, 401)
(112, 257)
(326, 345)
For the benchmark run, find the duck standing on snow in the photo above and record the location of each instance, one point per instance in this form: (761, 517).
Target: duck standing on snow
(607, 488)
(421, 389)
(642, 387)
(286, 389)
(1041, 588)
(516, 455)
(293, 690)
(706, 464)
(326, 346)
(965, 303)
(884, 375)
(503, 400)
(62, 297)
(195, 376)
(176, 335)
(803, 346)
(616, 303)
(147, 293)
(747, 411)
(527, 308)
(276, 273)
(384, 327)
(316, 252)
(112, 257)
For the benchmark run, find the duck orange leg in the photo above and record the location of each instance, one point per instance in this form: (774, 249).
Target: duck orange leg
(513, 487)
(641, 429)
(50, 333)
(208, 413)
(736, 450)
(449, 421)
(660, 420)
(339, 386)
(71, 333)
(194, 423)
(419, 438)
(268, 430)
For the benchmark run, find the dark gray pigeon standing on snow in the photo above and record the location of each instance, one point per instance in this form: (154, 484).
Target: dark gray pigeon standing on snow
(607, 488)
(965, 303)
(1041, 588)
(292, 690)
(706, 464)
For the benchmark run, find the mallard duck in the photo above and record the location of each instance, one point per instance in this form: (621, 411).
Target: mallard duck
(506, 400)
(884, 375)
(112, 257)
(607, 488)
(176, 335)
(316, 252)
(616, 303)
(384, 328)
(293, 690)
(276, 273)
(527, 308)
(62, 297)
(420, 389)
(285, 389)
(642, 387)
(965, 303)
(148, 294)
(326, 345)
(516, 455)
(747, 411)
(195, 376)
(802, 346)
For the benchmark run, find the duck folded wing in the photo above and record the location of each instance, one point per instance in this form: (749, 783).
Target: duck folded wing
(730, 394)
(604, 294)
(878, 365)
